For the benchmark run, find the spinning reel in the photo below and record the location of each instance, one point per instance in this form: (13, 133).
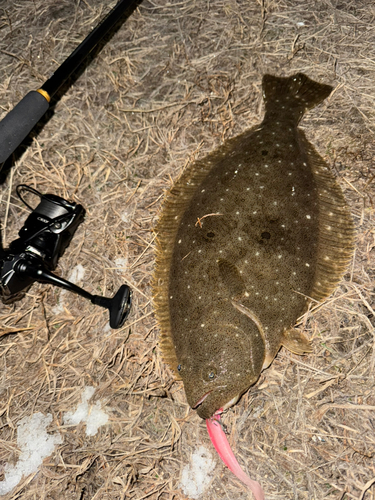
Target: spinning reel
(50, 227)
(46, 234)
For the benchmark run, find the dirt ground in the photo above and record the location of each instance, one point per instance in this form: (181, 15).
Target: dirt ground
(175, 80)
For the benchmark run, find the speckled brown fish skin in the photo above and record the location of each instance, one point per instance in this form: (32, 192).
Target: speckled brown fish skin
(246, 235)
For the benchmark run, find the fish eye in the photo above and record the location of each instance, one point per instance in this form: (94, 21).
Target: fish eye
(179, 368)
(209, 374)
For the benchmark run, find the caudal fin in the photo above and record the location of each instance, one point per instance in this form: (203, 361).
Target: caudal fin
(297, 92)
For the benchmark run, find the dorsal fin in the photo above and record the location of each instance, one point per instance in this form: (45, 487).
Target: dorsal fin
(336, 228)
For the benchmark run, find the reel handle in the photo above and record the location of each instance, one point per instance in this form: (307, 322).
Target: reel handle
(118, 306)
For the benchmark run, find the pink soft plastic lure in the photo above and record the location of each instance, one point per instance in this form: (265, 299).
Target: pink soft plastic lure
(222, 446)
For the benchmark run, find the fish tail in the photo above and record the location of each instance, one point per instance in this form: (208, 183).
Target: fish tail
(297, 93)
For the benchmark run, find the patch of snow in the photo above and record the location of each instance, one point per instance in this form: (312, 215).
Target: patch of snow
(126, 216)
(75, 276)
(107, 330)
(35, 445)
(197, 475)
(121, 263)
(92, 414)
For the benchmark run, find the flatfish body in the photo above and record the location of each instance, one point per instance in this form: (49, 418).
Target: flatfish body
(246, 237)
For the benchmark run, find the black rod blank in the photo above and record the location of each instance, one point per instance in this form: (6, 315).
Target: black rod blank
(18, 123)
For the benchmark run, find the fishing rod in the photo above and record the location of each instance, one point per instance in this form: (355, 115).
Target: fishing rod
(51, 225)
(19, 122)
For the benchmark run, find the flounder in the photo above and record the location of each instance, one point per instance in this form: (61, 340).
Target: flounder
(247, 237)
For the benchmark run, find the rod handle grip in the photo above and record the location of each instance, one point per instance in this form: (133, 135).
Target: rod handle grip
(18, 123)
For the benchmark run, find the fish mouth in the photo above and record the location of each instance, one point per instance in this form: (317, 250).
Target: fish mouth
(200, 401)
(207, 407)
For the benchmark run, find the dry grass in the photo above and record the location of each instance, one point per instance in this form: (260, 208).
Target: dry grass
(174, 81)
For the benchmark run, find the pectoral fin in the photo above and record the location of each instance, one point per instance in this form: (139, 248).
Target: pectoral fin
(296, 341)
(250, 314)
